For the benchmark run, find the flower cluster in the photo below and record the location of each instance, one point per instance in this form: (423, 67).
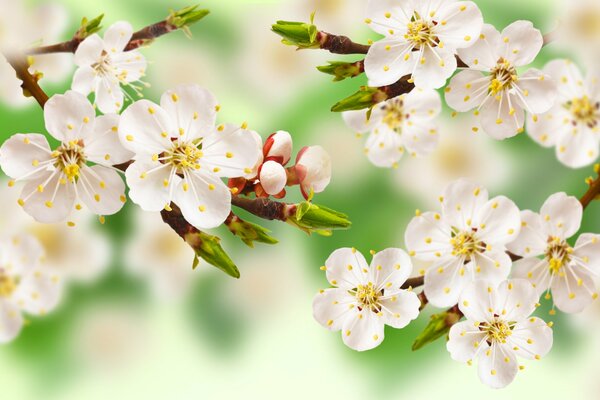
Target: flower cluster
(466, 253)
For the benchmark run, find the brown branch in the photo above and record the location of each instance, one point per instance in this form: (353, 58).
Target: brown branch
(338, 44)
(138, 38)
(30, 85)
(592, 193)
(264, 208)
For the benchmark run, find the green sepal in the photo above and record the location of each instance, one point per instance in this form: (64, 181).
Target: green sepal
(438, 326)
(313, 218)
(366, 97)
(249, 232)
(208, 247)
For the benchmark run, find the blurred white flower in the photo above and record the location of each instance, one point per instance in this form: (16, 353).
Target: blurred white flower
(57, 180)
(501, 97)
(22, 27)
(365, 297)
(404, 123)
(579, 28)
(25, 286)
(421, 39)
(572, 125)
(498, 329)
(313, 170)
(467, 241)
(157, 255)
(106, 64)
(460, 153)
(567, 271)
(181, 156)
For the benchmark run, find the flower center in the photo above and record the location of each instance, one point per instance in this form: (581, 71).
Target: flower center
(104, 66)
(69, 158)
(497, 331)
(184, 156)
(420, 32)
(584, 111)
(7, 284)
(558, 254)
(368, 297)
(502, 77)
(394, 114)
(465, 243)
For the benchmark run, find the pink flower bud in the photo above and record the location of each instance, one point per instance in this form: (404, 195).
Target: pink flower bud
(278, 147)
(272, 177)
(313, 169)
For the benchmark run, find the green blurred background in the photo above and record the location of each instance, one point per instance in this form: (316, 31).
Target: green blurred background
(111, 337)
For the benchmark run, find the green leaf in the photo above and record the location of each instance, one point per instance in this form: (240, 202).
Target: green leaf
(313, 218)
(438, 326)
(183, 18)
(89, 27)
(366, 97)
(249, 232)
(342, 70)
(300, 34)
(208, 247)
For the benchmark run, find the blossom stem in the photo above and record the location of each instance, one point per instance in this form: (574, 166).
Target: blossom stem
(338, 44)
(30, 85)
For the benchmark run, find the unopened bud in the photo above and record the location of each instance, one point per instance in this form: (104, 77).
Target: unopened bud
(278, 147)
(342, 70)
(300, 34)
(89, 27)
(312, 170)
(208, 247)
(366, 97)
(318, 219)
(249, 232)
(272, 177)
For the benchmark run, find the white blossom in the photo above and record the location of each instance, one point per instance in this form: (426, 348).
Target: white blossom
(498, 329)
(365, 297)
(492, 85)
(105, 64)
(564, 270)
(572, 125)
(465, 242)
(56, 181)
(399, 125)
(421, 39)
(313, 169)
(181, 156)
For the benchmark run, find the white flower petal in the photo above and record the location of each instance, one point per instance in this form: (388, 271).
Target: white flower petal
(497, 367)
(467, 90)
(538, 91)
(193, 109)
(11, 321)
(346, 268)
(531, 240)
(400, 308)
(145, 128)
(587, 250)
(53, 204)
(482, 55)
(477, 300)
(427, 237)
(384, 147)
(422, 103)
(89, 51)
(389, 60)
(230, 152)
(573, 291)
(69, 116)
(434, 67)
(278, 147)
(104, 146)
(515, 300)
(204, 199)
(38, 292)
(84, 80)
(461, 202)
(521, 43)
(22, 154)
(380, 22)
(23, 253)
(272, 177)
(561, 215)
(331, 308)
(357, 119)
(445, 281)
(421, 137)
(535, 270)
(117, 36)
(463, 23)
(502, 118)
(101, 189)
(493, 266)
(465, 340)
(390, 268)
(532, 337)
(578, 146)
(129, 66)
(568, 79)
(313, 167)
(146, 184)
(499, 221)
(546, 128)
(109, 96)
(363, 331)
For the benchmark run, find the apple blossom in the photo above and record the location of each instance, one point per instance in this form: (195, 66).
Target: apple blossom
(421, 39)
(498, 329)
(365, 297)
(404, 123)
(313, 170)
(105, 64)
(502, 96)
(465, 242)
(567, 271)
(572, 125)
(180, 155)
(56, 181)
